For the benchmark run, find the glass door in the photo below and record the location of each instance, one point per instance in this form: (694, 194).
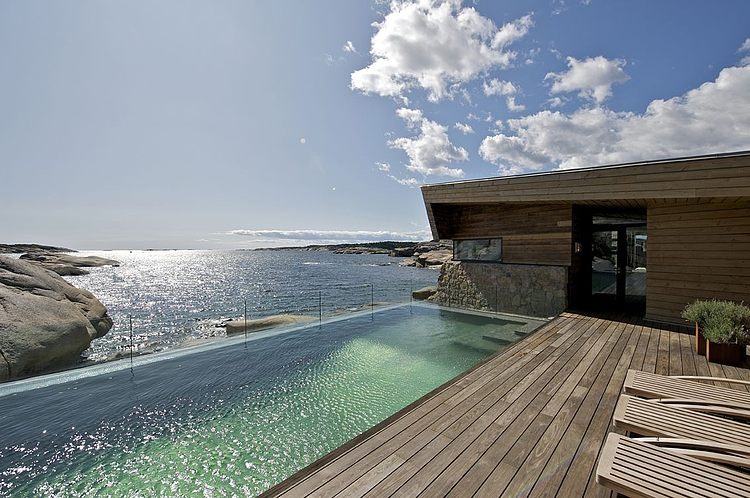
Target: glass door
(604, 263)
(618, 266)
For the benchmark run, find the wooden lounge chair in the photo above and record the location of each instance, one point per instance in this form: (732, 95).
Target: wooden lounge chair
(711, 434)
(640, 469)
(686, 392)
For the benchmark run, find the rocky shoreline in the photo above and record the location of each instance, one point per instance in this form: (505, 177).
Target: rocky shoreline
(46, 323)
(429, 254)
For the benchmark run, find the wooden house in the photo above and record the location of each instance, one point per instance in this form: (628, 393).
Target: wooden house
(649, 237)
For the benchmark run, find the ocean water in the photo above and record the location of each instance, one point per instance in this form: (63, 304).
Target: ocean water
(234, 419)
(173, 297)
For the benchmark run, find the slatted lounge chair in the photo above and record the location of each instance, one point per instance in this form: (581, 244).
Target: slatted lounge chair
(686, 392)
(640, 469)
(703, 436)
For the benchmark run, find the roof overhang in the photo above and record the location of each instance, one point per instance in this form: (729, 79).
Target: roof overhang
(632, 185)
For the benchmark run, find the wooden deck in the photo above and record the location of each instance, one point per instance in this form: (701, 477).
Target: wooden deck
(530, 421)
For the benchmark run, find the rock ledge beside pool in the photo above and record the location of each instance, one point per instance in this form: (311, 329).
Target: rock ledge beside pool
(237, 326)
(45, 322)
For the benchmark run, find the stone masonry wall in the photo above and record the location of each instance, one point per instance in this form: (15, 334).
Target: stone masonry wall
(533, 290)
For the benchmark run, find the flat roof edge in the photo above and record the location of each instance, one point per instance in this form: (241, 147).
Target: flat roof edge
(722, 155)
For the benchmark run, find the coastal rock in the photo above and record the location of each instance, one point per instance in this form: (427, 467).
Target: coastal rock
(45, 323)
(427, 254)
(65, 270)
(434, 258)
(67, 264)
(361, 250)
(237, 326)
(51, 261)
(32, 248)
(402, 252)
(424, 293)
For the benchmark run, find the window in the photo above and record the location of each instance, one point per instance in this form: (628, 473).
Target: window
(478, 250)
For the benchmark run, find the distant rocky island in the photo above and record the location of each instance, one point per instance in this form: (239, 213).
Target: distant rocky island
(419, 254)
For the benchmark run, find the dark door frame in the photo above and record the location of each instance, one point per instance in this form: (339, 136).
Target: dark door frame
(621, 256)
(583, 228)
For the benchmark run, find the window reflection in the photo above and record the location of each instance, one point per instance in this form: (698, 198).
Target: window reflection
(478, 250)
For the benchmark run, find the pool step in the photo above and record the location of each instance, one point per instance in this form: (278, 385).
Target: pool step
(473, 347)
(497, 340)
(521, 333)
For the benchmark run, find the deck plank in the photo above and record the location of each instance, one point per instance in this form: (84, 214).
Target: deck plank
(570, 464)
(543, 405)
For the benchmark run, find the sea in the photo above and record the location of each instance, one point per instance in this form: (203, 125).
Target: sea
(161, 300)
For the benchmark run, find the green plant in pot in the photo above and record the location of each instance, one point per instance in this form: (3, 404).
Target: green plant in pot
(697, 312)
(724, 324)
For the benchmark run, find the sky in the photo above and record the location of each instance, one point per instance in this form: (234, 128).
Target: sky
(241, 124)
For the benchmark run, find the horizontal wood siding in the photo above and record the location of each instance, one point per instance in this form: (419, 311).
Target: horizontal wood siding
(539, 234)
(711, 177)
(699, 250)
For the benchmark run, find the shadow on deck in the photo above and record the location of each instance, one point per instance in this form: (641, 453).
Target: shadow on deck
(529, 421)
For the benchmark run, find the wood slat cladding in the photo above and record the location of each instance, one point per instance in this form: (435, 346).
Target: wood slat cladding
(698, 250)
(716, 177)
(538, 234)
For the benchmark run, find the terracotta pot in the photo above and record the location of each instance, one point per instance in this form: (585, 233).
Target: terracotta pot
(700, 341)
(726, 354)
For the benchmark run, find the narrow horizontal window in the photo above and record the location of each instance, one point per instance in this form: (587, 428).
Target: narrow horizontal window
(478, 250)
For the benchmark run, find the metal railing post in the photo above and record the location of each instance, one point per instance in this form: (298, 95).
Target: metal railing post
(372, 302)
(245, 322)
(320, 309)
(130, 326)
(411, 294)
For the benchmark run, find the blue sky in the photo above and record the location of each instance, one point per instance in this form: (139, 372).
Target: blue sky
(222, 124)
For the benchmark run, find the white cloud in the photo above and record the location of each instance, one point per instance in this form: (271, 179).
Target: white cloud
(431, 152)
(512, 31)
(498, 87)
(330, 236)
(510, 101)
(413, 117)
(349, 47)
(558, 7)
(556, 102)
(712, 118)
(464, 128)
(745, 47)
(407, 182)
(532, 55)
(435, 45)
(592, 78)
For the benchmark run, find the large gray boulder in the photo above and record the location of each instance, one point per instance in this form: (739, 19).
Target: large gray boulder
(67, 264)
(45, 323)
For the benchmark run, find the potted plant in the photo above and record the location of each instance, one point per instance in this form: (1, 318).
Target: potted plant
(697, 312)
(724, 325)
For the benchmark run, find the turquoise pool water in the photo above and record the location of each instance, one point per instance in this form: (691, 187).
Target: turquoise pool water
(234, 420)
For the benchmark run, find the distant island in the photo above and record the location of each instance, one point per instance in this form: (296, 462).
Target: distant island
(390, 247)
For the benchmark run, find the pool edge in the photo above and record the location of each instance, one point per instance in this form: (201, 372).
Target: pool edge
(301, 474)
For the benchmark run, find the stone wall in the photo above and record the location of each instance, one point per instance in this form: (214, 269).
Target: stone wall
(533, 290)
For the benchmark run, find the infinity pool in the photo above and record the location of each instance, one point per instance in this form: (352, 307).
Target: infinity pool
(233, 420)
